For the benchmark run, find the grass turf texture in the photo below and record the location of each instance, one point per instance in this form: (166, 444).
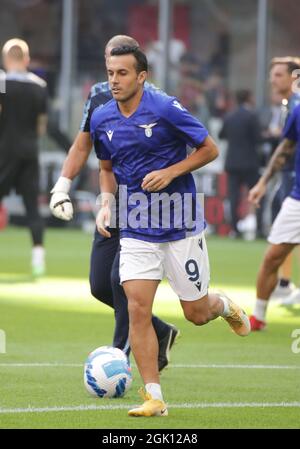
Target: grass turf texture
(55, 321)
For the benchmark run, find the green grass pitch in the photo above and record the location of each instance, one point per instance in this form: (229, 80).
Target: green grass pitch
(216, 379)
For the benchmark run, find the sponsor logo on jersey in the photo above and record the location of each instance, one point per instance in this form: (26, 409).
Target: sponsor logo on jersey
(109, 134)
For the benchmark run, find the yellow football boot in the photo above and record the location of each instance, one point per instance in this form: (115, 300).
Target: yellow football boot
(151, 407)
(237, 319)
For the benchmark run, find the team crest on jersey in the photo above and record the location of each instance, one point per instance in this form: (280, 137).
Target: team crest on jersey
(109, 134)
(148, 129)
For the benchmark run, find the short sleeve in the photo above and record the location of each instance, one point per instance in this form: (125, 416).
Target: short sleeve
(43, 104)
(2, 83)
(101, 152)
(290, 130)
(86, 116)
(189, 128)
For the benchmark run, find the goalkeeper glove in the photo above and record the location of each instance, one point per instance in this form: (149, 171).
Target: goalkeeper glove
(60, 203)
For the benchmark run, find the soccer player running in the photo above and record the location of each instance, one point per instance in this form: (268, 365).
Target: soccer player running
(282, 80)
(23, 109)
(104, 263)
(285, 232)
(141, 137)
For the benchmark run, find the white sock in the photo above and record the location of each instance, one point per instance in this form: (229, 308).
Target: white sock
(38, 255)
(154, 390)
(226, 310)
(260, 309)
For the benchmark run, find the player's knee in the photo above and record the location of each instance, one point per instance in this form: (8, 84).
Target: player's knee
(273, 260)
(138, 312)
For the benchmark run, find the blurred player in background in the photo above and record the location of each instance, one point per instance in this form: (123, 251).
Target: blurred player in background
(23, 119)
(141, 138)
(104, 264)
(285, 232)
(282, 81)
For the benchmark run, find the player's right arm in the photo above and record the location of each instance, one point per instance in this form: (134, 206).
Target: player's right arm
(60, 203)
(108, 188)
(77, 155)
(205, 153)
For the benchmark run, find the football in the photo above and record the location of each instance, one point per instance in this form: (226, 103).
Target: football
(107, 373)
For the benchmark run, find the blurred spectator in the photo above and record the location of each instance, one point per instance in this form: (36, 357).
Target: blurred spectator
(241, 128)
(191, 89)
(154, 53)
(219, 60)
(217, 95)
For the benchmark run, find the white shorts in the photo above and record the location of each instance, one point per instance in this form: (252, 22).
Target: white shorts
(286, 227)
(184, 263)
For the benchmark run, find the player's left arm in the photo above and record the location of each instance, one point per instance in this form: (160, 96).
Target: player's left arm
(108, 188)
(42, 105)
(42, 122)
(282, 154)
(159, 179)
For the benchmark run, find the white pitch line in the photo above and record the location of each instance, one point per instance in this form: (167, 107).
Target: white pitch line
(203, 405)
(41, 365)
(180, 365)
(216, 366)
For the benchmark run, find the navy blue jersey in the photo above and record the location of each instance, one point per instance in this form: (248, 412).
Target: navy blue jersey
(100, 94)
(292, 132)
(293, 102)
(154, 137)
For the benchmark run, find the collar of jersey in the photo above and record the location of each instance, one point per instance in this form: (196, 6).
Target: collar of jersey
(17, 73)
(133, 115)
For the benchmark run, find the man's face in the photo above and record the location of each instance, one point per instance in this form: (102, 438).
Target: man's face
(281, 80)
(123, 78)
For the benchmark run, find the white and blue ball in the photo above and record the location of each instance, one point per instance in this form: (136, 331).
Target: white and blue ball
(107, 373)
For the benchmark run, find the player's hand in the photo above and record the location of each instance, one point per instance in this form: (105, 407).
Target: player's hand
(60, 203)
(256, 193)
(103, 220)
(157, 180)
(61, 206)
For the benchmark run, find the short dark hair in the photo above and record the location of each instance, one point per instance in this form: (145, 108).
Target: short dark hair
(243, 96)
(291, 62)
(140, 57)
